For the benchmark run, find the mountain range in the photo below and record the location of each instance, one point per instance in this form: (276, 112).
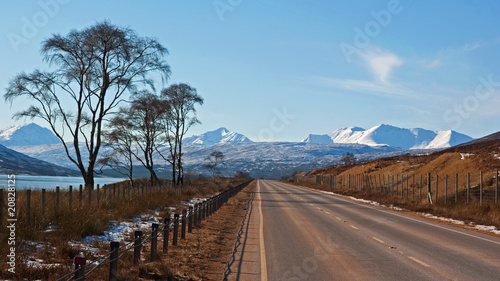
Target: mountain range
(260, 159)
(221, 135)
(383, 134)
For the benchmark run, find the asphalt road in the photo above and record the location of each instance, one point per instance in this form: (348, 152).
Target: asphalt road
(299, 234)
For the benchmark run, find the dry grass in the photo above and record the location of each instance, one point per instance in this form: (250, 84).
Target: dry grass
(53, 231)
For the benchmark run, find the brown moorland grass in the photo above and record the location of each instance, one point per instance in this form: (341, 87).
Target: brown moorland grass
(462, 160)
(53, 231)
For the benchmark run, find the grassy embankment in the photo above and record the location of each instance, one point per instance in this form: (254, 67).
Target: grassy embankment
(53, 231)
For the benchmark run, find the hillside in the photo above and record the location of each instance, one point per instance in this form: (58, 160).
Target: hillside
(468, 158)
(12, 162)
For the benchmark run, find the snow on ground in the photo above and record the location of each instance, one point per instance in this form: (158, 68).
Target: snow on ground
(465, 155)
(120, 231)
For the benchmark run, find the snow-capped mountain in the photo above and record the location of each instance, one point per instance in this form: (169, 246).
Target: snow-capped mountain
(27, 134)
(274, 159)
(416, 138)
(221, 135)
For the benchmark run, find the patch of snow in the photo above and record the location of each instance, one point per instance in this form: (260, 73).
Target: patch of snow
(465, 155)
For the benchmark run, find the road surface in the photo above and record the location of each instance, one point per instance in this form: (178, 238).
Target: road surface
(293, 233)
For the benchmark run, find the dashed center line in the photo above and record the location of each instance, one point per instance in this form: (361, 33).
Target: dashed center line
(378, 240)
(419, 261)
(352, 226)
(338, 218)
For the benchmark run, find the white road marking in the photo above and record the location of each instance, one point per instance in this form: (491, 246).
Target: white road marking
(338, 218)
(419, 261)
(263, 263)
(352, 226)
(378, 240)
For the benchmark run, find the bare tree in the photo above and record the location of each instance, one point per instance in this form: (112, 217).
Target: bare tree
(182, 99)
(142, 122)
(214, 161)
(122, 155)
(348, 159)
(94, 69)
(241, 175)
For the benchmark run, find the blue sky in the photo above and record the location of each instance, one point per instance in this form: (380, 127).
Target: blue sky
(279, 70)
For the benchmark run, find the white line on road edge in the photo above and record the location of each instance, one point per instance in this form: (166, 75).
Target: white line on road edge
(419, 261)
(394, 213)
(378, 240)
(263, 263)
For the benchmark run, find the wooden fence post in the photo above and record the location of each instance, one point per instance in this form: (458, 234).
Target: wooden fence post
(81, 195)
(154, 241)
(113, 258)
(137, 246)
(166, 232)
(97, 195)
(57, 199)
(28, 206)
(80, 263)
(429, 194)
(70, 197)
(190, 220)
(407, 185)
(44, 205)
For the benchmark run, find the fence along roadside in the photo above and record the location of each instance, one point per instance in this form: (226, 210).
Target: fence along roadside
(389, 185)
(206, 209)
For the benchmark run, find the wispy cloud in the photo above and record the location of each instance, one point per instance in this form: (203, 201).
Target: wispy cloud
(362, 86)
(432, 64)
(380, 62)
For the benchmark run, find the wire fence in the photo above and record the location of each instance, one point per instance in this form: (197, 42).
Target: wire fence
(468, 188)
(190, 219)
